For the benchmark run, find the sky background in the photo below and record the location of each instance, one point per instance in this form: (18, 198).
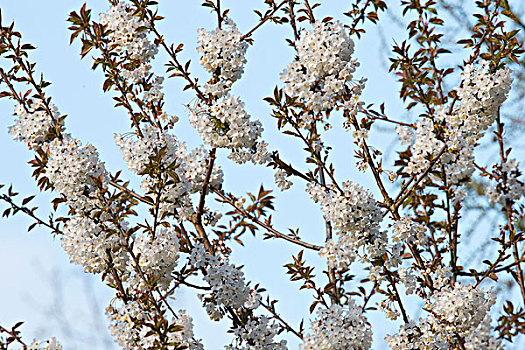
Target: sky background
(55, 298)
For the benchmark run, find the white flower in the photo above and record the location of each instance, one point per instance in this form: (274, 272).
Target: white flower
(72, 169)
(228, 286)
(355, 217)
(511, 189)
(129, 37)
(407, 230)
(34, 125)
(339, 328)
(158, 255)
(480, 96)
(257, 334)
(226, 124)
(456, 312)
(88, 243)
(187, 168)
(222, 53)
(462, 307)
(129, 325)
(323, 69)
(50, 344)
(282, 181)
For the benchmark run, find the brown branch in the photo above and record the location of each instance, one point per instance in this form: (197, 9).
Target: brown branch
(5, 78)
(402, 196)
(131, 193)
(30, 213)
(280, 319)
(263, 20)
(508, 209)
(12, 334)
(389, 202)
(269, 228)
(197, 218)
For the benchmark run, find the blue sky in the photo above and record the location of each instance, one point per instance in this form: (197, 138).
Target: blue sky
(39, 285)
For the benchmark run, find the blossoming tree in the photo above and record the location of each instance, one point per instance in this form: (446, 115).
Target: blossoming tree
(403, 236)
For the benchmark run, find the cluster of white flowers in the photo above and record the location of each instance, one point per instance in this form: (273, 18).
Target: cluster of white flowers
(406, 230)
(462, 307)
(157, 255)
(405, 133)
(417, 337)
(430, 335)
(226, 124)
(456, 312)
(222, 54)
(130, 330)
(354, 210)
(281, 179)
(129, 36)
(481, 94)
(72, 169)
(339, 328)
(441, 276)
(50, 344)
(223, 122)
(425, 145)
(361, 136)
(355, 217)
(87, 244)
(228, 286)
(257, 334)
(409, 279)
(160, 147)
(510, 188)
(323, 69)
(33, 125)
(482, 337)
(153, 91)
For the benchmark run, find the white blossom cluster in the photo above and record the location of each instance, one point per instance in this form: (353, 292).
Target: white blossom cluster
(157, 255)
(226, 124)
(257, 334)
(481, 94)
(223, 122)
(129, 36)
(482, 337)
(50, 344)
(128, 327)
(189, 168)
(323, 69)
(406, 230)
(153, 91)
(281, 179)
(72, 169)
(228, 286)
(33, 125)
(339, 328)
(417, 337)
(222, 54)
(458, 313)
(511, 188)
(461, 307)
(430, 335)
(426, 144)
(89, 236)
(355, 217)
(405, 134)
(87, 243)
